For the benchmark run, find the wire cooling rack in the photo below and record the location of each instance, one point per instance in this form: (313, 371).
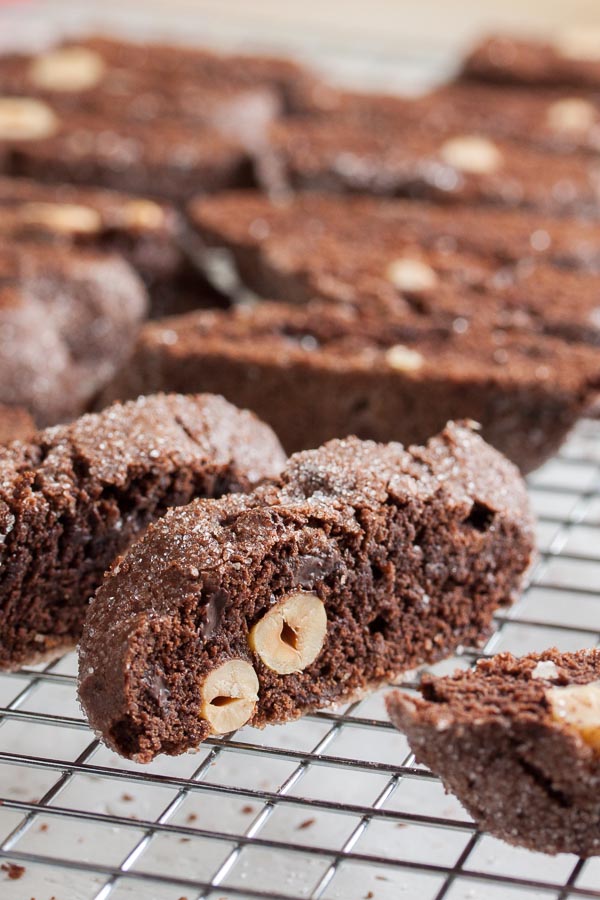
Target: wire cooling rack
(332, 806)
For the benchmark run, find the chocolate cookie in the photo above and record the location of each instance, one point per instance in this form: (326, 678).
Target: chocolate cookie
(518, 742)
(571, 60)
(169, 159)
(449, 166)
(249, 225)
(68, 320)
(392, 274)
(146, 233)
(560, 121)
(360, 562)
(318, 371)
(77, 495)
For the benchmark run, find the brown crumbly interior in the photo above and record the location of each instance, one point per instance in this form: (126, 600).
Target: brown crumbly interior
(75, 497)
(490, 734)
(410, 551)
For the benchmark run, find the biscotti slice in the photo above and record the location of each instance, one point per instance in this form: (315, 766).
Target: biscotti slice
(360, 562)
(68, 321)
(518, 742)
(298, 88)
(454, 165)
(75, 496)
(76, 78)
(245, 222)
(555, 120)
(146, 233)
(169, 160)
(318, 372)
(571, 60)
(393, 275)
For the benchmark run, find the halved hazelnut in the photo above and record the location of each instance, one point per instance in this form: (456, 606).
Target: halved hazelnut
(411, 275)
(579, 42)
(578, 707)
(571, 114)
(26, 119)
(143, 214)
(472, 154)
(67, 69)
(291, 635)
(229, 696)
(403, 359)
(66, 218)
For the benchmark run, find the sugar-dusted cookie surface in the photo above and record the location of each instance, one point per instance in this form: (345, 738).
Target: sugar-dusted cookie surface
(74, 497)
(360, 562)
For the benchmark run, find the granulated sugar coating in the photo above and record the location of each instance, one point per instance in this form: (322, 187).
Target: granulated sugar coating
(68, 319)
(360, 562)
(518, 742)
(75, 497)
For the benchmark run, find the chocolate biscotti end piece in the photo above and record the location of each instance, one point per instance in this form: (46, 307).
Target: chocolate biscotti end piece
(518, 742)
(75, 496)
(362, 561)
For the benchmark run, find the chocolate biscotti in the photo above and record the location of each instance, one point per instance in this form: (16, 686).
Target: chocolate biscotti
(16, 424)
(360, 562)
(391, 273)
(452, 165)
(518, 742)
(318, 371)
(146, 233)
(167, 160)
(68, 320)
(75, 496)
(572, 60)
(245, 222)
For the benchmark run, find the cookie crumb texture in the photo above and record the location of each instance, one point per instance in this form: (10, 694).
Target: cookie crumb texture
(75, 497)
(360, 562)
(517, 741)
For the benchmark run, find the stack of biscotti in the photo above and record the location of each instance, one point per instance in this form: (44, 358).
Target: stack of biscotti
(156, 119)
(396, 317)
(146, 233)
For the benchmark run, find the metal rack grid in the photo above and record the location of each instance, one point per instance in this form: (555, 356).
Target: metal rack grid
(332, 806)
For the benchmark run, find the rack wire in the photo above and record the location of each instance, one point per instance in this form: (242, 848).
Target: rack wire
(332, 806)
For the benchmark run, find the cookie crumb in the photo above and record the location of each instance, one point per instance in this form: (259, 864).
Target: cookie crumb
(192, 817)
(13, 871)
(126, 798)
(247, 809)
(308, 823)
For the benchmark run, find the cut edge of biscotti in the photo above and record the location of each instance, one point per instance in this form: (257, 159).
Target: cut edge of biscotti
(517, 740)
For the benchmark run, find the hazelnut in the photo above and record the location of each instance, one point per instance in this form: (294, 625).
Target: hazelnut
(411, 275)
(67, 69)
(143, 214)
(578, 707)
(471, 153)
(290, 636)
(579, 42)
(229, 696)
(403, 359)
(571, 114)
(65, 218)
(26, 119)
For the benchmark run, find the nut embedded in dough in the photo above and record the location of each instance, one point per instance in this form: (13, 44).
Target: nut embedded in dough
(229, 696)
(290, 636)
